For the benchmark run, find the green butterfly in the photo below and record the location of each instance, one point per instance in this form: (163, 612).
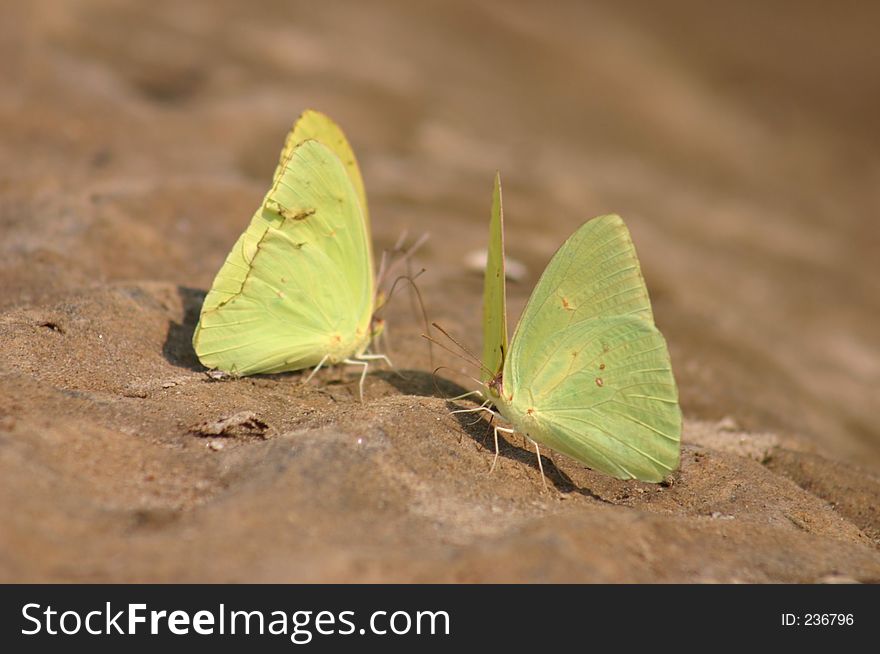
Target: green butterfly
(297, 289)
(587, 372)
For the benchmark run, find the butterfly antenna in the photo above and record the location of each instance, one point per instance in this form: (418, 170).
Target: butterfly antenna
(443, 346)
(412, 304)
(437, 388)
(386, 267)
(472, 360)
(380, 275)
(462, 347)
(412, 282)
(401, 240)
(434, 381)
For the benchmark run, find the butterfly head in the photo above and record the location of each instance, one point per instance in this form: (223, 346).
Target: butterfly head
(377, 326)
(495, 386)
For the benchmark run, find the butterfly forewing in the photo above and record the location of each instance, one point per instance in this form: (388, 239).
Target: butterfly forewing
(313, 125)
(494, 301)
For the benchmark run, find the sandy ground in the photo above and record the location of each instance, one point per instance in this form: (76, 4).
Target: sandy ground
(740, 145)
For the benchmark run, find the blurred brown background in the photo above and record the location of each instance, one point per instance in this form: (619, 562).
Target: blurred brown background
(739, 141)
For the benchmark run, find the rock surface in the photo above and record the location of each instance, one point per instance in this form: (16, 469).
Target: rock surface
(138, 139)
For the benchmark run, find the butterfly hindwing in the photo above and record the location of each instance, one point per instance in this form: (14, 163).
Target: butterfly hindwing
(298, 284)
(606, 397)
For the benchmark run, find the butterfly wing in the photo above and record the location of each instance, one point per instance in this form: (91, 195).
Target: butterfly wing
(494, 295)
(588, 372)
(314, 125)
(298, 284)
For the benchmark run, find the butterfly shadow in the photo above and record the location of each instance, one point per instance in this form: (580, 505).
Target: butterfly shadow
(480, 430)
(178, 349)
(419, 382)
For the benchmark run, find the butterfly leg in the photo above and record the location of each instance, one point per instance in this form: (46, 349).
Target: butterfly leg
(490, 425)
(366, 365)
(386, 340)
(482, 407)
(464, 395)
(498, 449)
(316, 369)
(375, 357)
(380, 357)
(540, 465)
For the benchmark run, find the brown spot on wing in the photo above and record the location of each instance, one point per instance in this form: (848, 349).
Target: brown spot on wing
(287, 213)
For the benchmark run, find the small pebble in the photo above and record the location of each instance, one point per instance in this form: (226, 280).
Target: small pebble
(727, 423)
(513, 270)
